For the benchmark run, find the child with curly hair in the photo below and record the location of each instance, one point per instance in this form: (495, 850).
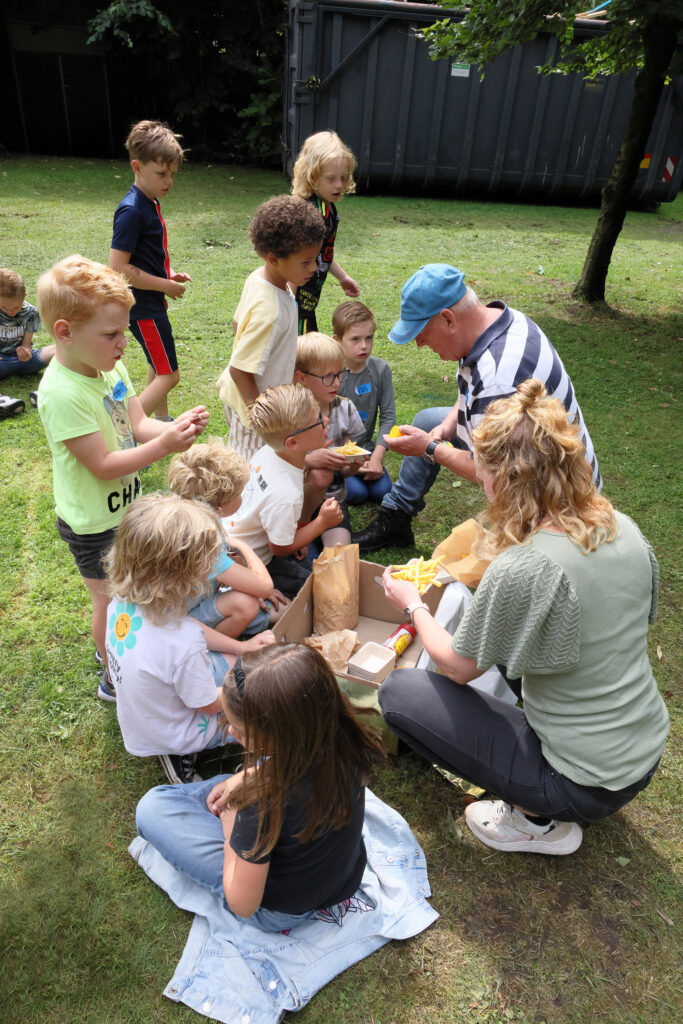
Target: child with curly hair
(159, 657)
(323, 173)
(286, 233)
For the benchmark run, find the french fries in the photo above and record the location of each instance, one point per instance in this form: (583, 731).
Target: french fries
(422, 572)
(350, 448)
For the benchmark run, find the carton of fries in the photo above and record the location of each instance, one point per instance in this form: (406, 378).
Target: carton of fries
(350, 450)
(455, 553)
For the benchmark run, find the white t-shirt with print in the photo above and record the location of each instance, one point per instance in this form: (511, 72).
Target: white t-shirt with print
(162, 674)
(271, 504)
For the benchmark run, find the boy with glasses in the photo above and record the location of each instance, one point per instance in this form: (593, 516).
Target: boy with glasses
(291, 424)
(319, 367)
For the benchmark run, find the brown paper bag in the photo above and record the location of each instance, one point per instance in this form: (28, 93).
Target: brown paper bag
(456, 554)
(335, 589)
(336, 648)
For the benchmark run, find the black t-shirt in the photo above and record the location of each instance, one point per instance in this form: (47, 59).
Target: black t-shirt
(311, 875)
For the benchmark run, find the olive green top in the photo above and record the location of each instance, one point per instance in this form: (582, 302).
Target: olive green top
(574, 626)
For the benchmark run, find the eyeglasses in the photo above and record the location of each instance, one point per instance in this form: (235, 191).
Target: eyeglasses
(318, 423)
(327, 378)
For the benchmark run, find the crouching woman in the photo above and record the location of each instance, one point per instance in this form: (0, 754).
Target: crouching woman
(565, 604)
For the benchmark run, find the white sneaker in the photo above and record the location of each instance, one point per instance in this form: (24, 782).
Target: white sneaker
(500, 826)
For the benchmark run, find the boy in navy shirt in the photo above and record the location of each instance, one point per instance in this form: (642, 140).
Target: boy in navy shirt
(139, 251)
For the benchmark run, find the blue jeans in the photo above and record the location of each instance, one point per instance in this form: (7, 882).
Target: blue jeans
(12, 366)
(177, 822)
(358, 489)
(236, 968)
(415, 476)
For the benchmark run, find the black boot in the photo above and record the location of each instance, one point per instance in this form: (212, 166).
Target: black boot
(391, 528)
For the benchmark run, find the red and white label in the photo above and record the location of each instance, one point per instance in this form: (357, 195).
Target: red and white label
(670, 168)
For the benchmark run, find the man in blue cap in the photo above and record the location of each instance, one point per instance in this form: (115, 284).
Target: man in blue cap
(497, 348)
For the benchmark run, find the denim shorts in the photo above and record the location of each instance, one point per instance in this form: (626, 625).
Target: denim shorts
(88, 549)
(207, 613)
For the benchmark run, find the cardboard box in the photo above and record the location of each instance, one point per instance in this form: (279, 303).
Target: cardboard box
(377, 618)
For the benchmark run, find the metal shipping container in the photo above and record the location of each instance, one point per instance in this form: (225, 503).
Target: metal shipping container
(357, 66)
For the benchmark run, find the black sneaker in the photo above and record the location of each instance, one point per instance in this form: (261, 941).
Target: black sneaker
(179, 768)
(10, 406)
(105, 689)
(33, 398)
(391, 528)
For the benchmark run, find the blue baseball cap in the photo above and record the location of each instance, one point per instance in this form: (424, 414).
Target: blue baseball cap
(434, 287)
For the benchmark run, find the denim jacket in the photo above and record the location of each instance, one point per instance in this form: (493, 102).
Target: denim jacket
(234, 972)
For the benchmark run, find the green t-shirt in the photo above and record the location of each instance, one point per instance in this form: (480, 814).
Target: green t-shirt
(574, 626)
(71, 405)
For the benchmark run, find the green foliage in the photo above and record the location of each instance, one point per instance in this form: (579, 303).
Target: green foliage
(263, 114)
(480, 32)
(205, 68)
(126, 19)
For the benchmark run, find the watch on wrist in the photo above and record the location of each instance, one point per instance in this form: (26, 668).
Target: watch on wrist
(428, 454)
(410, 610)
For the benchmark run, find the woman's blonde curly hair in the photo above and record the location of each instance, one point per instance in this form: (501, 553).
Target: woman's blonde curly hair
(541, 474)
(163, 553)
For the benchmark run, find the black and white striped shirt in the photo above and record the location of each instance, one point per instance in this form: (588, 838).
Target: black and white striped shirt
(512, 350)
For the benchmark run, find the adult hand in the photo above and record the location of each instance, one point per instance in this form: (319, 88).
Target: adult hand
(413, 441)
(400, 593)
(440, 433)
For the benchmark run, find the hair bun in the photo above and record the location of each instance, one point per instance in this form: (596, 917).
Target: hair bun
(530, 390)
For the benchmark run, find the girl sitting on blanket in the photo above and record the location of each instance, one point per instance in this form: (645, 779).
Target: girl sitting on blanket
(282, 838)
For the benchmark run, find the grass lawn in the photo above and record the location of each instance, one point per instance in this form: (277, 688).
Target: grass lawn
(86, 936)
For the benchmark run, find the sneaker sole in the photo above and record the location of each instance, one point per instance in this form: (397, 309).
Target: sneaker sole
(105, 695)
(558, 848)
(7, 414)
(169, 770)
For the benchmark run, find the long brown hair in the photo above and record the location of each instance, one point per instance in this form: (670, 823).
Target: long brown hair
(541, 474)
(298, 727)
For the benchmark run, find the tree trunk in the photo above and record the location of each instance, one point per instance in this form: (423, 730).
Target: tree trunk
(659, 43)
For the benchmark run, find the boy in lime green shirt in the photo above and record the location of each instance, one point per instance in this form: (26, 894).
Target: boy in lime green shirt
(96, 428)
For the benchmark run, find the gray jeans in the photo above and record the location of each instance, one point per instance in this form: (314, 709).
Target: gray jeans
(489, 741)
